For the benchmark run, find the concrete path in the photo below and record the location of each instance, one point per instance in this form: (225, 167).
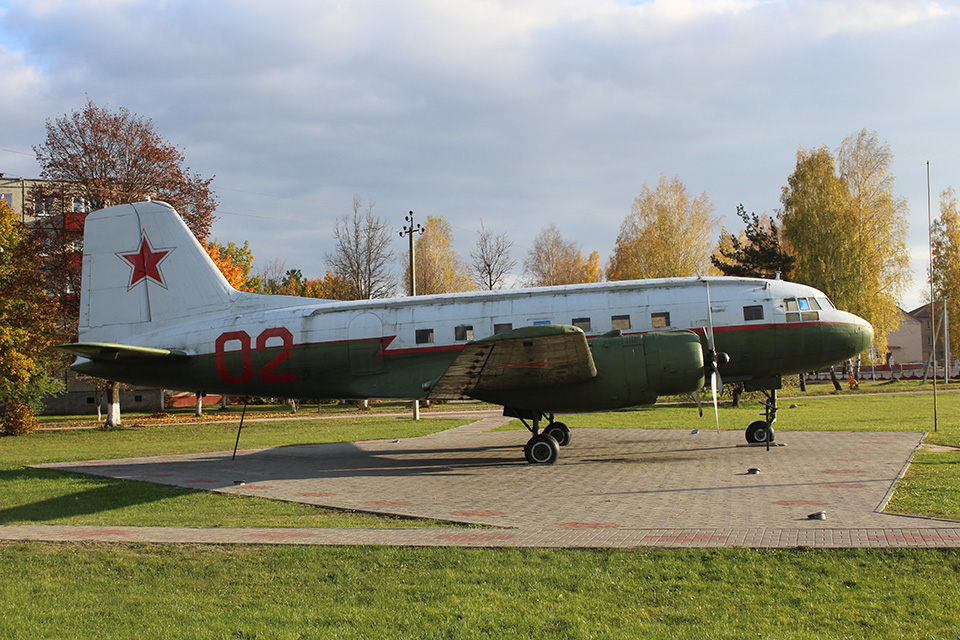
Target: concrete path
(610, 488)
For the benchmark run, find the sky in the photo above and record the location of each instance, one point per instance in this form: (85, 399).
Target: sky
(518, 113)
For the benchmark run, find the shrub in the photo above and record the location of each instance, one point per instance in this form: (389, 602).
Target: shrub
(18, 419)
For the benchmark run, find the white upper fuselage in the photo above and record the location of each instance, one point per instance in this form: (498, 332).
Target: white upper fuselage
(437, 322)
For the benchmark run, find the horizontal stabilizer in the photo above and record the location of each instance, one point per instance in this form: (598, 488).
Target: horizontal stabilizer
(110, 351)
(525, 358)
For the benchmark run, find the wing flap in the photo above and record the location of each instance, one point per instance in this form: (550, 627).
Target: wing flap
(111, 351)
(525, 358)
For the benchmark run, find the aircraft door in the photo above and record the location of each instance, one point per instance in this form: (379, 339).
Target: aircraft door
(365, 339)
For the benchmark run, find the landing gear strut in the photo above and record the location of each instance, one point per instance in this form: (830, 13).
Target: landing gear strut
(761, 431)
(544, 446)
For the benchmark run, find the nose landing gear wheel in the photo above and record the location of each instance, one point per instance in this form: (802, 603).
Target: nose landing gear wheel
(541, 449)
(757, 432)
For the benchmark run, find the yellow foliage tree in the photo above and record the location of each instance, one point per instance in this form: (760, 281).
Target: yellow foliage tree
(554, 260)
(439, 270)
(236, 264)
(28, 326)
(945, 246)
(847, 230)
(667, 234)
(330, 287)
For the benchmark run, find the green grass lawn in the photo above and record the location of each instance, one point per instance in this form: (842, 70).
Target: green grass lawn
(180, 591)
(44, 496)
(67, 591)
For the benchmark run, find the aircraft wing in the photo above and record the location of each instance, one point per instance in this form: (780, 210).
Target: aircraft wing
(525, 358)
(110, 351)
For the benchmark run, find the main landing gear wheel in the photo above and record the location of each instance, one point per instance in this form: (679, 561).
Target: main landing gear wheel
(559, 431)
(757, 432)
(541, 449)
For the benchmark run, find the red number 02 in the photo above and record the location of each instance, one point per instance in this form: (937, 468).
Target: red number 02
(267, 374)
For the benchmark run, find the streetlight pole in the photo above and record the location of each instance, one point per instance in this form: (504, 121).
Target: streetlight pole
(410, 230)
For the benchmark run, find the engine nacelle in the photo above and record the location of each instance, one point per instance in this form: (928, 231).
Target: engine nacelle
(631, 371)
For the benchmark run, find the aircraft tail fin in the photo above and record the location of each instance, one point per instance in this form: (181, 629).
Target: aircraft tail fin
(142, 270)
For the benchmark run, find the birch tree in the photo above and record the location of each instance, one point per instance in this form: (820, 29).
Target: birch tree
(490, 259)
(847, 229)
(667, 234)
(554, 260)
(362, 254)
(945, 272)
(439, 269)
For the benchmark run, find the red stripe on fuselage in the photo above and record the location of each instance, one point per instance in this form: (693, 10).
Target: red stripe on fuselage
(388, 340)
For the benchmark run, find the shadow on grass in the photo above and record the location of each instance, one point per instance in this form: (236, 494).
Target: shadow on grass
(96, 495)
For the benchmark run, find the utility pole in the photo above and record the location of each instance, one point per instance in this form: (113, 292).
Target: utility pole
(933, 300)
(410, 230)
(946, 342)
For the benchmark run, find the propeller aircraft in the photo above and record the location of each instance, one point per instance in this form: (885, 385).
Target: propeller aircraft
(155, 310)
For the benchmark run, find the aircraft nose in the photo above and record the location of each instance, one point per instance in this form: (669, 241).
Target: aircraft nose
(863, 335)
(855, 336)
(845, 338)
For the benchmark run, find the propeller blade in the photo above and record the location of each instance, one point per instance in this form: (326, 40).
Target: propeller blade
(696, 396)
(710, 342)
(714, 379)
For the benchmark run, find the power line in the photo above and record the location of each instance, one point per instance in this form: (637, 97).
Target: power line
(22, 153)
(271, 195)
(295, 218)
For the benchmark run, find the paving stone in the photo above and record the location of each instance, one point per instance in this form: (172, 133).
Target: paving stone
(610, 488)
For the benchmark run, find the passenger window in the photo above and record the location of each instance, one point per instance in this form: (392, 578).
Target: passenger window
(620, 322)
(753, 312)
(502, 327)
(660, 320)
(424, 336)
(583, 323)
(463, 332)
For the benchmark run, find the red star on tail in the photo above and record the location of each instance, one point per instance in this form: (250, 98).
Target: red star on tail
(146, 263)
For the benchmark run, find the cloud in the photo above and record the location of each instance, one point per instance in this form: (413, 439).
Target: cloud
(522, 112)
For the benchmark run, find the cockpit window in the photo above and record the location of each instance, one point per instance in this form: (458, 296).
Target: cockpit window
(802, 309)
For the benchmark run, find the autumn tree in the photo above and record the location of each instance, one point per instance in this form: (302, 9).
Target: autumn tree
(94, 158)
(111, 158)
(756, 252)
(439, 269)
(236, 264)
(362, 254)
(666, 234)
(554, 260)
(847, 229)
(329, 287)
(27, 327)
(490, 259)
(945, 271)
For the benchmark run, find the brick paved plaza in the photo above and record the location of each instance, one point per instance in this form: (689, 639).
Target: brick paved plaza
(610, 488)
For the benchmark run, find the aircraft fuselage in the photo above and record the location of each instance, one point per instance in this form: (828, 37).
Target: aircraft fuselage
(279, 346)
